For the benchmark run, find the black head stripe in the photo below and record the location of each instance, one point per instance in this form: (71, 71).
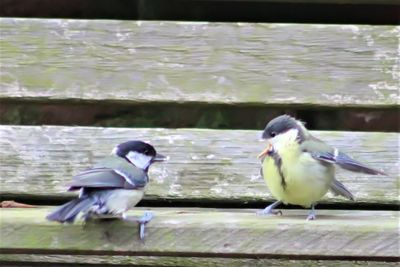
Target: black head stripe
(279, 125)
(282, 124)
(138, 146)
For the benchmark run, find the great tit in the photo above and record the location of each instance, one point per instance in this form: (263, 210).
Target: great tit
(111, 187)
(299, 168)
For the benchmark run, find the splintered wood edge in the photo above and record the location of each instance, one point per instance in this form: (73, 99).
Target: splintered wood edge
(336, 234)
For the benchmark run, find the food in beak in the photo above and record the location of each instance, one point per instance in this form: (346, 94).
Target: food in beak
(266, 151)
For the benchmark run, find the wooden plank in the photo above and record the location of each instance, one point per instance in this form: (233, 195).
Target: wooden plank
(204, 165)
(95, 260)
(336, 234)
(197, 62)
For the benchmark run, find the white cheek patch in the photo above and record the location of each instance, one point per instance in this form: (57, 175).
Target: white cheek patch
(114, 151)
(283, 139)
(138, 159)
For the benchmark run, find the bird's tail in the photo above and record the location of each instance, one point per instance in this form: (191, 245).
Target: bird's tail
(69, 211)
(339, 189)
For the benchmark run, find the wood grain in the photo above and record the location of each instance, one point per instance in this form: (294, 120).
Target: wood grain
(221, 63)
(204, 165)
(205, 232)
(98, 260)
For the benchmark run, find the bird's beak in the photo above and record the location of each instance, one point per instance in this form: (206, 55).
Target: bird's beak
(160, 157)
(266, 151)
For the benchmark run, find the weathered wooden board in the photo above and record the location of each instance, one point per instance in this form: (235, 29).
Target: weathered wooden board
(336, 234)
(95, 260)
(175, 62)
(204, 165)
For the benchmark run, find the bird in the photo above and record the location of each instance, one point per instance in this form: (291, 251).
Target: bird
(299, 168)
(112, 186)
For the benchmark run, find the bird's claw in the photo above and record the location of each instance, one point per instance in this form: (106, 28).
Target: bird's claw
(311, 215)
(147, 216)
(142, 221)
(267, 211)
(270, 209)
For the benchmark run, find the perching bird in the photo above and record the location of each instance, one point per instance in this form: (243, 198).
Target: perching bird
(112, 186)
(299, 169)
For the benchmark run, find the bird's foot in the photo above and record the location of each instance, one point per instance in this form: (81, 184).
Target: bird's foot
(311, 215)
(268, 211)
(147, 217)
(142, 221)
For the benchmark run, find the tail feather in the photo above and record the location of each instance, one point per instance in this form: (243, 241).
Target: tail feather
(350, 164)
(69, 211)
(339, 189)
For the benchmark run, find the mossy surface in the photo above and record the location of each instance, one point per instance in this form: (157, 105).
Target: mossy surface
(210, 63)
(72, 260)
(233, 233)
(205, 166)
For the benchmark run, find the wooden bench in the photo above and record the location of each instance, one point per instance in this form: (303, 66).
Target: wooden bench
(205, 197)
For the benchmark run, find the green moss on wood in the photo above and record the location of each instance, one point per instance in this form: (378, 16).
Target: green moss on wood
(205, 165)
(211, 63)
(185, 261)
(211, 231)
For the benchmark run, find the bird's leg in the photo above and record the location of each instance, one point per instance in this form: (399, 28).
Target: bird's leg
(311, 214)
(147, 217)
(86, 217)
(270, 209)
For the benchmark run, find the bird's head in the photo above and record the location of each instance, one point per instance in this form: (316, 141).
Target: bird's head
(139, 153)
(280, 130)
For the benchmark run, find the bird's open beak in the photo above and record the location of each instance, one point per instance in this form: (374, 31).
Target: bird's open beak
(160, 157)
(266, 151)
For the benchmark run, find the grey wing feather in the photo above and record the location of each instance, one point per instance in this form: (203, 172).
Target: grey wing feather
(100, 178)
(131, 173)
(339, 189)
(345, 162)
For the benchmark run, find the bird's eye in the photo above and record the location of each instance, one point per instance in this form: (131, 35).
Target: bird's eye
(273, 134)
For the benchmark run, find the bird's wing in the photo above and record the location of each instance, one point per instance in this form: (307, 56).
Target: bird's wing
(345, 162)
(339, 189)
(107, 178)
(130, 172)
(98, 178)
(325, 153)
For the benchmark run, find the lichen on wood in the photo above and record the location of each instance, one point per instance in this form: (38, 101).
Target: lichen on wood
(204, 165)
